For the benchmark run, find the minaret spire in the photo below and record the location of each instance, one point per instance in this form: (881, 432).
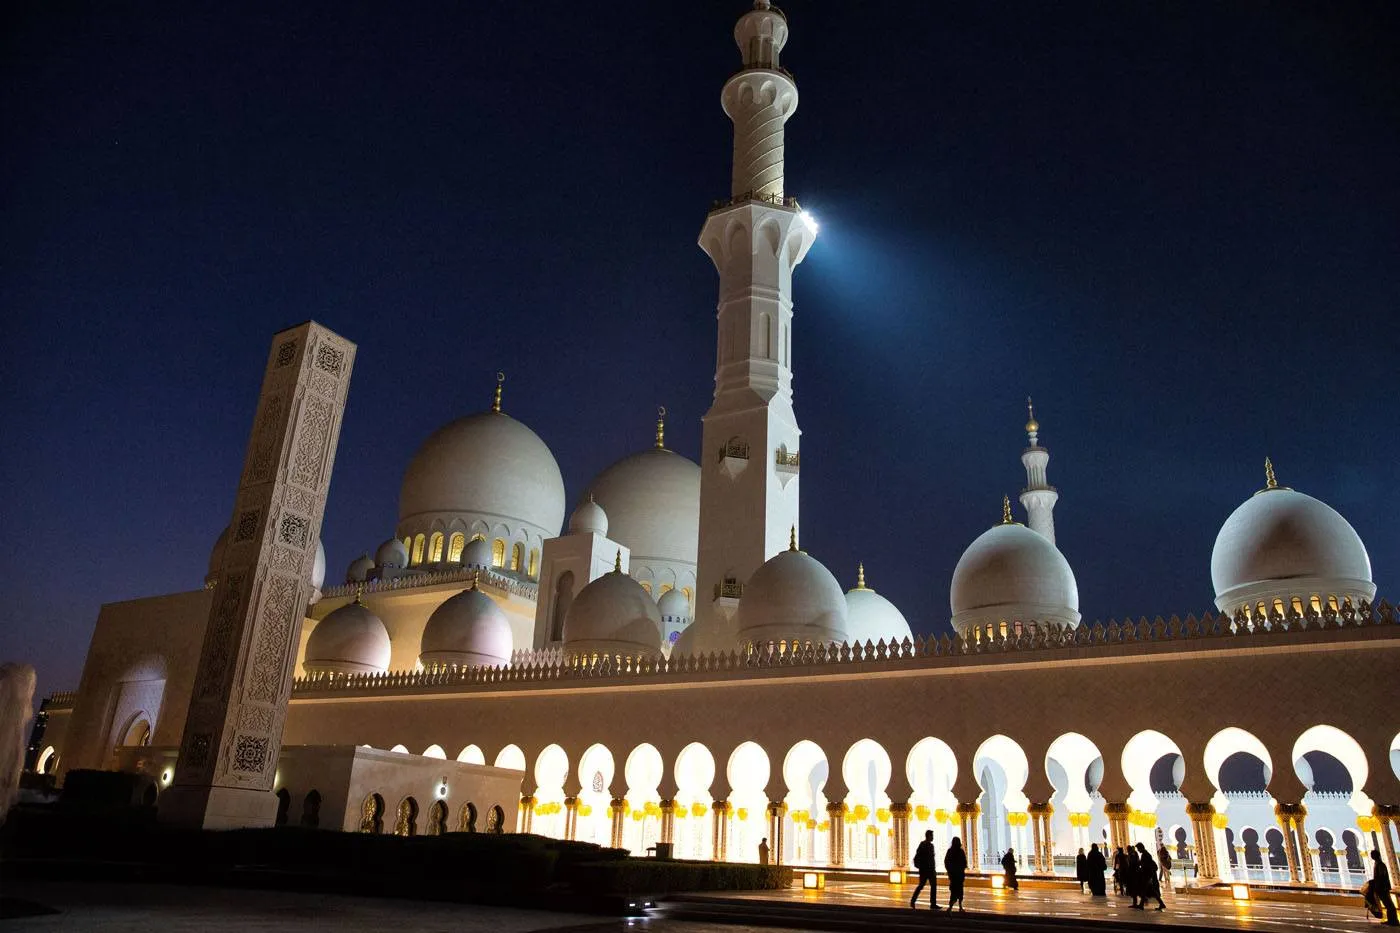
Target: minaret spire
(661, 427)
(1039, 497)
(755, 237)
(496, 400)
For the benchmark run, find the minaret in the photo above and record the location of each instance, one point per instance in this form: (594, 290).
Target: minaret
(756, 237)
(1039, 497)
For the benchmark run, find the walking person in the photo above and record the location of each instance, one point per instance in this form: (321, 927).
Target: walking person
(763, 851)
(1149, 884)
(1132, 881)
(1081, 869)
(1008, 866)
(927, 863)
(1120, 869)
(955, 867)
(1095, 866)
(1164, 865)
(1380, 888)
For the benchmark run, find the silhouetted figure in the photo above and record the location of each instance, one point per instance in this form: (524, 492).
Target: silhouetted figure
(955, 867)
(1120, 871)
(1164, 864)
(1095, 866)
(1008, 866)
(1081, 870)
(1380, 888)
(763, 851)
(1148, 884)
(1132, 883)
(927, 863)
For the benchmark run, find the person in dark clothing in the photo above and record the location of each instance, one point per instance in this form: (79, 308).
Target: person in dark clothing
(955, 867)
(1131, 884)
(1094, 867)
(1148, 884)
(1380, 888)
(927, 864)
(1120, 870)
(1008, 866)
(1081, 870)
(1164, 864)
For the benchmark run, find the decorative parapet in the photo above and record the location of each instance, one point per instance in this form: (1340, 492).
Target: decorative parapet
(483, 578)
(776, 200)
(920, 651)
(784, 459)
(63, 699)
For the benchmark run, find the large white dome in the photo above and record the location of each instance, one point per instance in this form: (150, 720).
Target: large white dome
(484, 467)
(652, 500)
(1280, 544)
(613, 615)
(871, 617)
(1012, 574)
(792, 598)
(350, 640)
(467, 630)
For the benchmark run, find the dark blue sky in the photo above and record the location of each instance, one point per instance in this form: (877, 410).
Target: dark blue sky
(1177, 225)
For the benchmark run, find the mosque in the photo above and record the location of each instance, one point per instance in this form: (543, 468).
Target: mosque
(663, 664)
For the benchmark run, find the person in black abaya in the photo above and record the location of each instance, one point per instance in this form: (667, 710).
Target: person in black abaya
(1095, 865)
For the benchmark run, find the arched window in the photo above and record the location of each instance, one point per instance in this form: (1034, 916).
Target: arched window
(435, 548)
(498, 553)
(407, 822)
(1316, 603)
(466, 823)
(372, 814)
(563, 598)
(1278, 607)
(284, 803)
(311, 810)
(517, 557)
(418, 542)
(455, 544)
(534, 571)
(1332, 604)
(437, 818)
(408, 545)
(1297, 606)
(496, 820)
(139, 732)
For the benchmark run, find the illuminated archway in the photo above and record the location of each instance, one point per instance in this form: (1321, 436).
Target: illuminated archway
(747, 771)
(434, 751)
(643, 771)
(1001, 768)
(932, 768)
(595, 774)
(866, 770)
(805, 771)
(471, 755)
(1074, 765)
(695, 773)
(551, 770)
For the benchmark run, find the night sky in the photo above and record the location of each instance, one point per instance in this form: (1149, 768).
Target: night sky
(1176, 225)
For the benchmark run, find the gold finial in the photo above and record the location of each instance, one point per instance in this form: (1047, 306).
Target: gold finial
(661, 427)
(1032, 426)
(860, 576)
(1006, 511)
(617, 562)
(1270, 480)
(359, 591)
(496, 402)
(792, 538)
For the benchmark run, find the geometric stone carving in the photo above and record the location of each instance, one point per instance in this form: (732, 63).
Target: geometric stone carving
(233, 729)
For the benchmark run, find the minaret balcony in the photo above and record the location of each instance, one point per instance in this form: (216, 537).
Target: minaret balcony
(729, 589)
(777, 200)
(786, 464)
(733, 458)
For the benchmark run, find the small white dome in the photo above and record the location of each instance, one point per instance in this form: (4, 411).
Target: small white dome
(613, 615)
(1280, 544)
(392, 555)
(652, 500)
(468, 630)
(359, 570)
(1012, 574)
(477, 554)
(716, 634)
(871, 617)
(484, 467)
(216, 558)
(588, 519)
(350, 640)
(673, 605)
(792, 597)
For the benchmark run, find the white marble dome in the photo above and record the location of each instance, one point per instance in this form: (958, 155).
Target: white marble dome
(1281, 544)
(588, 519)
(613, 615)
(350, 640)
(652, 500)
(791, 598)
(392, 554)
(468, 630)
(216, 558)
(486, 467)
(1012, 574)
(871, 617)
(477, 554)
(715, 634)
(675, 616)
(359, 570)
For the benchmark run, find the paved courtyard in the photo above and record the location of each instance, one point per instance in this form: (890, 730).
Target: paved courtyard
(1187, 910)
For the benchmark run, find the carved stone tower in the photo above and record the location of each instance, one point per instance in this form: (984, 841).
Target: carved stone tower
(749, 457)
(233, 731)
